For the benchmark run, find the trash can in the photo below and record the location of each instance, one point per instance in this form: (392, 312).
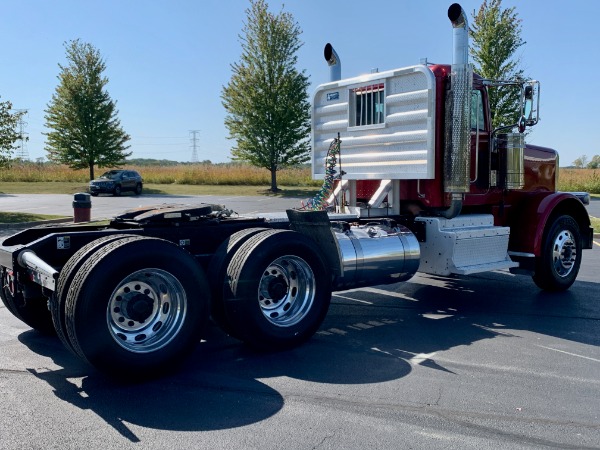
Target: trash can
(82, 207)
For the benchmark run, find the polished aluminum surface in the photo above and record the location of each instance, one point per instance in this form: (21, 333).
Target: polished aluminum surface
(513, 147)
(146, 310)
(286, 291)
(457, 157)
(374, 254)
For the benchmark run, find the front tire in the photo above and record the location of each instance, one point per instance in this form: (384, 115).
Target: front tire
(279, 290)
(137, 307)
(117, 191)
(138, 189)
(557, 267)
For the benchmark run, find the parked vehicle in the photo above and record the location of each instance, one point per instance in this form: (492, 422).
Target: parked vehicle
(117, 181)
(426, 185)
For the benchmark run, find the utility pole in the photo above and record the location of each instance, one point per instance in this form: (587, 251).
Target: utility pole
(194, 144)
(22, 152)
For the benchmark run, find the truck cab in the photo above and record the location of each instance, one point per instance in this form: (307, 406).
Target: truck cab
(418, 142)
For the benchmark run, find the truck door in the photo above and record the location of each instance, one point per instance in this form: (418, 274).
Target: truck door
(480, 142)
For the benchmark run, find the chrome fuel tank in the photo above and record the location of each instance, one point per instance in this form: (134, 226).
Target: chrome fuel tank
(376, 254)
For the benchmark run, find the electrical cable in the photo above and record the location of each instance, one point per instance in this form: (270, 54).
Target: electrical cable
(319, 201)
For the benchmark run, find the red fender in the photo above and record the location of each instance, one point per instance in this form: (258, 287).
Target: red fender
(534, 212)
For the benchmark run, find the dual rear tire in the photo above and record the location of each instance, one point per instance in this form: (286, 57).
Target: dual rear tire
(276, 289)
(133, 307)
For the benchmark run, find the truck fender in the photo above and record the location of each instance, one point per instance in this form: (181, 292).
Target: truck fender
(534, 214)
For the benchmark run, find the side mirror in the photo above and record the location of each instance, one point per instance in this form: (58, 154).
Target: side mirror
(530, 104)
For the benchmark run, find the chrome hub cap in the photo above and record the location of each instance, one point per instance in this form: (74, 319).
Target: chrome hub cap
(564, 253)
(286, 291)
(146, 310)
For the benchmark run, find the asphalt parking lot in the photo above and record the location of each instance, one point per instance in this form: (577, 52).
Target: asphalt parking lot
(486, 361)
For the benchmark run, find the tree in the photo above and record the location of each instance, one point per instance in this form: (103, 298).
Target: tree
(496, 36)
(594, 163)
(268, 112)
(82, 116)
(8, 131)
(580, 162)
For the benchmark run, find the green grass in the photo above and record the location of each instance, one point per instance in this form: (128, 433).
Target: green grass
(595, 223)
(17, 217)
(62, 187)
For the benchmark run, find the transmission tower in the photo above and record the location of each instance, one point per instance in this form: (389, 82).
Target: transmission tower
(22, 153)
(194, 144)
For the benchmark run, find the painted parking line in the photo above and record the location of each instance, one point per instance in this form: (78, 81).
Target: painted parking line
(598, 244)
(569, 353)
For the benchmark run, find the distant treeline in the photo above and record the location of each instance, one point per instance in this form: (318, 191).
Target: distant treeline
(163, 162)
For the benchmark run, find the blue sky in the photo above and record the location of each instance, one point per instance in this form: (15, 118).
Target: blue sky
(168, 60)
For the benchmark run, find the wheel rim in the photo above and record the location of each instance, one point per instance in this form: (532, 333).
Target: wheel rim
(286, 291)
(146, 310)
(564, 253)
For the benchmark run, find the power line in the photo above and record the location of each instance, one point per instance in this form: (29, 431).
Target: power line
(194, 141)
(22, 152)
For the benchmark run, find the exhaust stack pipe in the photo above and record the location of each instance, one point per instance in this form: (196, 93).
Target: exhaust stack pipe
(334, 63)
(461, 34)
(457, 155)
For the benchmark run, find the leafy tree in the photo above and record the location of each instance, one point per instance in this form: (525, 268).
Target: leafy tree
(268, 112)
(594, 163)
(580, 162)
(82, 116)
(8, 131)
(496, 36)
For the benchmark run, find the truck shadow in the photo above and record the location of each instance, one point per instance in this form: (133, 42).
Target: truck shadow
(369, 336)
(171, 403)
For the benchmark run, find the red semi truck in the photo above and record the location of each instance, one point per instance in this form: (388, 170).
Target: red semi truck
(426, 185)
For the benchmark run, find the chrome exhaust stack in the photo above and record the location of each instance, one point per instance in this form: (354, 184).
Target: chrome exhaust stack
(334, 63)
(457, 156)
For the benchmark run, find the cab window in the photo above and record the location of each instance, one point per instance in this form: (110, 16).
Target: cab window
(477, 115)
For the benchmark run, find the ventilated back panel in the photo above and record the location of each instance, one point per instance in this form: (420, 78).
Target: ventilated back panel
(386, 122)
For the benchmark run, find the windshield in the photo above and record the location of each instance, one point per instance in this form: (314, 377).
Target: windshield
(111, 175)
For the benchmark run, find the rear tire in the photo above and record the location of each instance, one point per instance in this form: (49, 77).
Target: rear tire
(138, 189)
(217, 274)
(557, 267)
(279, 290)
(65, 278)
(137, 307)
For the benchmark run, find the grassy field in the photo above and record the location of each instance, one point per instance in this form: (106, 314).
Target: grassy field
(184, 174)
(65, 180)
(579, 180)
(10, 217)
(596, 224)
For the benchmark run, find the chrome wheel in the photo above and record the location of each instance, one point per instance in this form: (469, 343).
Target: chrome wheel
(146, 310)
(564, 253)
(286, 291)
